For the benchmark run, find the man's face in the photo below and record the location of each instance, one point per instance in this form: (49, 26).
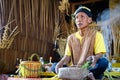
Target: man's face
(82, 20)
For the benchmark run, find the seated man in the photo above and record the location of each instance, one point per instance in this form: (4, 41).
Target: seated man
(85, 44)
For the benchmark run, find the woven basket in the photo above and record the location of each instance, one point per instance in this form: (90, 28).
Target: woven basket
(72, 73)
(30, 69)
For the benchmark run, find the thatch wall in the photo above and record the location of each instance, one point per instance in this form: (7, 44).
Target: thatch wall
(36, 21)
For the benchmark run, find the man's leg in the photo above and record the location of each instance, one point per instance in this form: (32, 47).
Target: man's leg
(99, 68)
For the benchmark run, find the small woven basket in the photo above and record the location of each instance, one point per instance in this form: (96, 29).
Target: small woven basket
(30, 69)
(73, 73)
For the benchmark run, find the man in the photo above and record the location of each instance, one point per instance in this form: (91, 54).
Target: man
(85, 44)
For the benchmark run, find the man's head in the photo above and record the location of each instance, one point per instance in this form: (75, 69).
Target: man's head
(83, 9)
(83, 17)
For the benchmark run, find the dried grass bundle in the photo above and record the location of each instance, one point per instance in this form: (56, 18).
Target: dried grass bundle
(64, 5)
(115, 25)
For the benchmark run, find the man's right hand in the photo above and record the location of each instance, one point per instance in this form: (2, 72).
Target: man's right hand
(63, 61)
(59, 65)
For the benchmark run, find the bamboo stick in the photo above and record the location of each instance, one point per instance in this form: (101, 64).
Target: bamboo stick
(20, 3)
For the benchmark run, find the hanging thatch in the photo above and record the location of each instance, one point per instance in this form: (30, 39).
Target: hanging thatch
(36, 21)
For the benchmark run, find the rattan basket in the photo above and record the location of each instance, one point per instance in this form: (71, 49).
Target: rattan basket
(30, 69)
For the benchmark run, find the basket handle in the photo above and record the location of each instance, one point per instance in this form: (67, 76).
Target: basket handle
(34, 54)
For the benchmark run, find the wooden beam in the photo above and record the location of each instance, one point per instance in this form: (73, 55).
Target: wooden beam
(73, 4)
(85, 2)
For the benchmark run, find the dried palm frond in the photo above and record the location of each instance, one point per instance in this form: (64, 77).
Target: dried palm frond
(4, 38)
(12, 36)
(8, 37)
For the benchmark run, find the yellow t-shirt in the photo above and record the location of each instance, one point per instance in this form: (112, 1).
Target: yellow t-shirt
(99, 46)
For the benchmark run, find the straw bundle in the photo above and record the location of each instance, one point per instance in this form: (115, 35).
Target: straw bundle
(115, 25)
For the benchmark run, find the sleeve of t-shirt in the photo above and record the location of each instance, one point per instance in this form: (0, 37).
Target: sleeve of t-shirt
(67, 50)
(99, 46)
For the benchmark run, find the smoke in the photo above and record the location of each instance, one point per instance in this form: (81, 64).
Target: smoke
(103, 22)
(109, 23)
(115, 16)
(103, 18)
(109, 17)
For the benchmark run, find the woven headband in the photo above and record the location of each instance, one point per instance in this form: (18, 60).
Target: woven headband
(83, 9)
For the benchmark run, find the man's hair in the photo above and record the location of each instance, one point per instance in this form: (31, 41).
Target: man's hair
(83, 9)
